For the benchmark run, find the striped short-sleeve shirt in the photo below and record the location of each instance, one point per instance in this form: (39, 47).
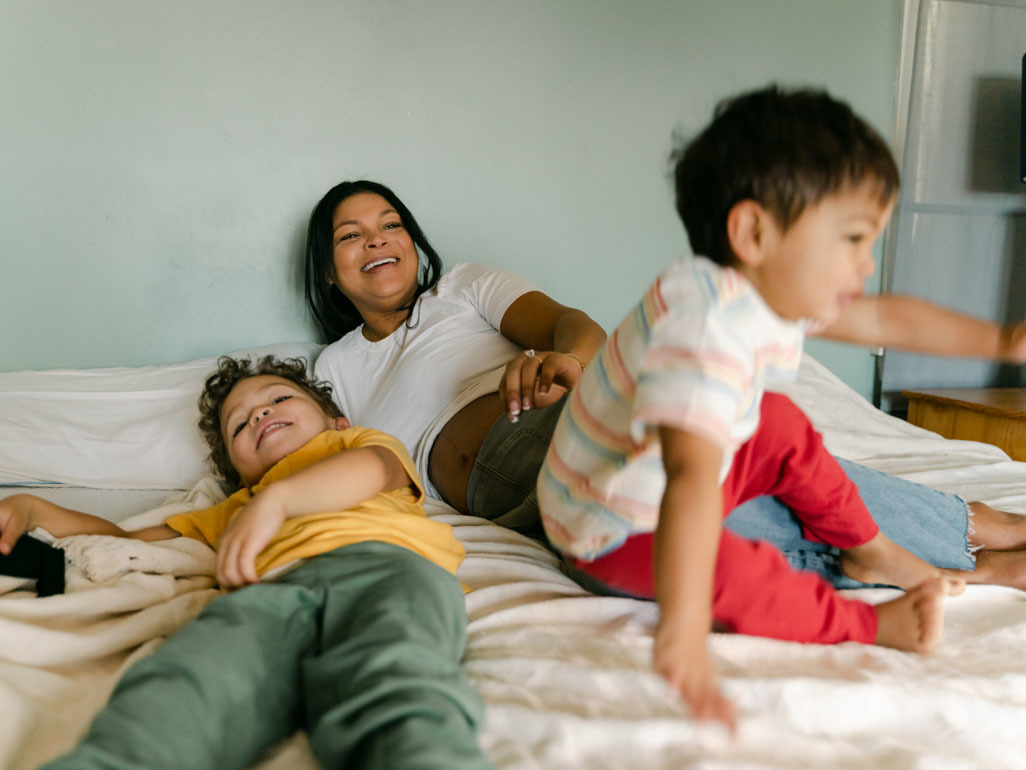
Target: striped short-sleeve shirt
(695, 354)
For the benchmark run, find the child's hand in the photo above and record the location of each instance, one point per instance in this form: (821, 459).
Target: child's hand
(1013, 344)
(686, 665)
(248, 534)
(15, 520)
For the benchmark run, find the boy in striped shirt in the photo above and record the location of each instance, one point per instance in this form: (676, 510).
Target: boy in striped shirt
(783, 195)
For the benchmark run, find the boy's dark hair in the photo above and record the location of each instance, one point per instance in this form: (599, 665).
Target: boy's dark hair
(333, 311)
(786, 150)
(230, 372)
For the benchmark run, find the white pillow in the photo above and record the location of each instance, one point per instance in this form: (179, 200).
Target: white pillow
(125, 427)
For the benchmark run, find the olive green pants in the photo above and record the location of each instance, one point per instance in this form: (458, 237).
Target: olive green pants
(360, 646)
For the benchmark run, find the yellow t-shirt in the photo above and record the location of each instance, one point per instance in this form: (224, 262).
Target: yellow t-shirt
(395, 517)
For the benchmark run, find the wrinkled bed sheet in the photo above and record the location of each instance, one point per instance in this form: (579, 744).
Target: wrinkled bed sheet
(565, 675)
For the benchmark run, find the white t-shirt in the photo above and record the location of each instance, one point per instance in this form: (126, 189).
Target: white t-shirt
(451, 352)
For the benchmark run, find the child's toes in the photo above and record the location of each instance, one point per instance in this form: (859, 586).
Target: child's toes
(954, 586)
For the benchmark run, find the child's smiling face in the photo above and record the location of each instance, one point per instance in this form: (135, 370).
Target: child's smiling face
(265, 418)
(821, 262)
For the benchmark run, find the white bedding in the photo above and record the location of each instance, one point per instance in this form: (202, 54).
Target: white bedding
(565, 675)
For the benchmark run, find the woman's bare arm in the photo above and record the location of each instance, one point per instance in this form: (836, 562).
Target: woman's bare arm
(564, 340)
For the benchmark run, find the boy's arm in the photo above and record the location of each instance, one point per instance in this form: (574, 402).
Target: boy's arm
(914, 324)
(20, 513)
(686, 542)
(335, 483)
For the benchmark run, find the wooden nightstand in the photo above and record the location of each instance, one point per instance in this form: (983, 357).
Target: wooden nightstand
(994, 415)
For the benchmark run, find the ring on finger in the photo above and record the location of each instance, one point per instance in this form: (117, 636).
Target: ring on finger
(530, 353)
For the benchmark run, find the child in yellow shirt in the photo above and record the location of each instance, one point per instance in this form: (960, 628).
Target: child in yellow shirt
(359, 639)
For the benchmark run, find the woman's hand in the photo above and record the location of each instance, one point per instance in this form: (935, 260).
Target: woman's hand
(248, 534)
(537, 378)
(685, 663)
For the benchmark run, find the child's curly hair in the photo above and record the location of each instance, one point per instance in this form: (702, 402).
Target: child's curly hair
(230, 372)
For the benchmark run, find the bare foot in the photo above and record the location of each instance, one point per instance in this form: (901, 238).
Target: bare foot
(997, 530)
(915, 621)
(1002, 568)
(881, 560)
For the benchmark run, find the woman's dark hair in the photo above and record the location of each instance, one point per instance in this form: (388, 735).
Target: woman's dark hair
(786, 150)
(230, 372)
(332, 310)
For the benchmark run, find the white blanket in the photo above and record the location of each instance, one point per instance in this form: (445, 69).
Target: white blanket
(565, 675)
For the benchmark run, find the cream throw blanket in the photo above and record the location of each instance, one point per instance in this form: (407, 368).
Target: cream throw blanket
(566, 676)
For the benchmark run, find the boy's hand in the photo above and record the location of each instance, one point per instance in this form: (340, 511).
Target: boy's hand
(684, 551)
(248, 534)
(686, 665)
(1013, 344)
(15, 520)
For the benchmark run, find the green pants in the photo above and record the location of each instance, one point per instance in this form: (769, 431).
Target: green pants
(361, 646)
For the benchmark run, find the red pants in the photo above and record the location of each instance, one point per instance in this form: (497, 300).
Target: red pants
(755, 591)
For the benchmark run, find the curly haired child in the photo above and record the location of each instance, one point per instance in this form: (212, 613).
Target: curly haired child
(359, 635)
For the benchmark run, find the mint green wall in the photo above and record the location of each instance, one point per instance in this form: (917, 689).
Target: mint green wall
(160, 159)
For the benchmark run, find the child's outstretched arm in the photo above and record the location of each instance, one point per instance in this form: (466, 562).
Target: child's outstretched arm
(914, 324)
(20, 513)
(332, 484)
(686, 542)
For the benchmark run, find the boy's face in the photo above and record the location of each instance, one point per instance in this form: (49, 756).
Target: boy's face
(820, 263)
(265, 418)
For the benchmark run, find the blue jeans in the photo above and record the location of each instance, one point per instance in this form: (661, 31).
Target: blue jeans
(933, 525)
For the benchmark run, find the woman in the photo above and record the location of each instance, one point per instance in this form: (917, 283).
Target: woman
(427, 355)
(469, 370)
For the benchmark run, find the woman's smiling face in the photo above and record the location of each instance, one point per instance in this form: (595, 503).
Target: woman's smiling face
(375, 260)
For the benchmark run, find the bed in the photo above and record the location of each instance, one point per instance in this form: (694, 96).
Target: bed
(565, 675)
